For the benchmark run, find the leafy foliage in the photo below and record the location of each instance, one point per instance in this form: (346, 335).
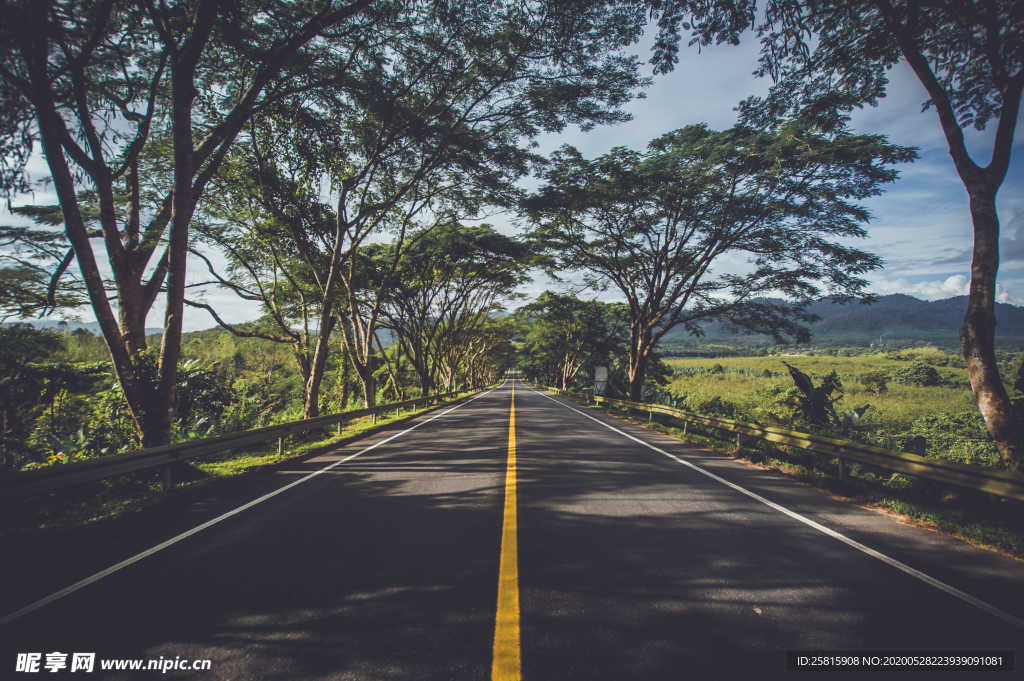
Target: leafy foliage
(918, 373)
(816, 403)
(876, 382)
(961, 438)
(652, 224)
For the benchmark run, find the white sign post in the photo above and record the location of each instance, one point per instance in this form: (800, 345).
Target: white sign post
(600, 380)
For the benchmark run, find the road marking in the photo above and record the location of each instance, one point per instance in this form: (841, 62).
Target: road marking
(117, 567)
(507, 665)
(888, 560)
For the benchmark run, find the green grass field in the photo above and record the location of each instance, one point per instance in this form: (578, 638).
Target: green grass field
(940, 421)
(743, 384)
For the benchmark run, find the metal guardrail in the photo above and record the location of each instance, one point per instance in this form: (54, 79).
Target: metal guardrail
(998, 483)
(27, 483)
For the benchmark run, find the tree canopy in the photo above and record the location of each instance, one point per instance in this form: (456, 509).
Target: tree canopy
(656, 225)
(827, 58)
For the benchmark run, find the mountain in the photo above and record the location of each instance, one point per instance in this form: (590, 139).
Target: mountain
(896, 319)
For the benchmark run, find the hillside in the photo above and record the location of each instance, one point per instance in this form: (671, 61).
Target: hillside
(895, 319)
(91, 327)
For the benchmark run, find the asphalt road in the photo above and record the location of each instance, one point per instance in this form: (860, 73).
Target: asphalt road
(628, 564)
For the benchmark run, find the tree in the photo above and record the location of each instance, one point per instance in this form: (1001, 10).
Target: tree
(451, 278)
(148, 96)
(827, 58)
(563, 334)
(435, 123)
(279, 240)
(653, 225)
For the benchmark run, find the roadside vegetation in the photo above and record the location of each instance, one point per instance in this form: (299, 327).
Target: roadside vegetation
(113, 497)
(917, 399)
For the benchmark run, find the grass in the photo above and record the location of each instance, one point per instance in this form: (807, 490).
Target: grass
(116, 497)
(895, 409)
(235, 464)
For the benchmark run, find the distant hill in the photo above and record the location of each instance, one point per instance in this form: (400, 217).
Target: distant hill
(91, 327)
(894, 318)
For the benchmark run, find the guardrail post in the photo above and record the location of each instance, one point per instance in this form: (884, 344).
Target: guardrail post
(280, 446)
(339, 426)
(650, 416)
(166, 478)
(686, 426)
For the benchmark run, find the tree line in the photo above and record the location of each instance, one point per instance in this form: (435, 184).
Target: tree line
(333, 163)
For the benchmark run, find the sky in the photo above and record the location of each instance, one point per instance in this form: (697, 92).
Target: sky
(920, 226)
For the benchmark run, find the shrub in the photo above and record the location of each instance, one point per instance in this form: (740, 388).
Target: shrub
(876, 382)
(203, 397)
(958, 437)
(716, 406)
(775, 405)
(918, 373)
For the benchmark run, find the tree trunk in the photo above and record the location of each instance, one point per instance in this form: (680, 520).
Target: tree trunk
(311, 390)
(426, 383)
(344, 381)
(977, 336)
(639, 354)
(34, 48)
(183, 203)
(369, 383)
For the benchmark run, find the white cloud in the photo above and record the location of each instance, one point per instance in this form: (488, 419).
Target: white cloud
(954, 285)
(937, 289)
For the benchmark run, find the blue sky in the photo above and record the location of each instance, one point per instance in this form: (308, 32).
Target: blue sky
(920, 227)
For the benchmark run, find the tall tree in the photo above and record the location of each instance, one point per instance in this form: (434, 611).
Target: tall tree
(562, 334)
(656, 225)
(452, 276)
(275, 237)
(827, 58)
(435, 126)
(149, 97)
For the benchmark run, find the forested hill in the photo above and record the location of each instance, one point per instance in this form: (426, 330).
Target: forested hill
(91, 327)
(894, 318)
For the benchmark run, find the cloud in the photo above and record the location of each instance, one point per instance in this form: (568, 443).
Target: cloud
(954, 285)
(1011, 248)
(1008, 290)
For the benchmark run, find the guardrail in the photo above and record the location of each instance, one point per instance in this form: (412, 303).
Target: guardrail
(998, 483)
(27, 483)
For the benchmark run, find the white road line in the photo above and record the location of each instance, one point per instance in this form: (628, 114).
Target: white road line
(888, 560)
(91, 579)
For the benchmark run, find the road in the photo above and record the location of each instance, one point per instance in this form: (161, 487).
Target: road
(474, 543)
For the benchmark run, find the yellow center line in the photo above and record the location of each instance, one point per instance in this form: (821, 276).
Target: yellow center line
(507, 665)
